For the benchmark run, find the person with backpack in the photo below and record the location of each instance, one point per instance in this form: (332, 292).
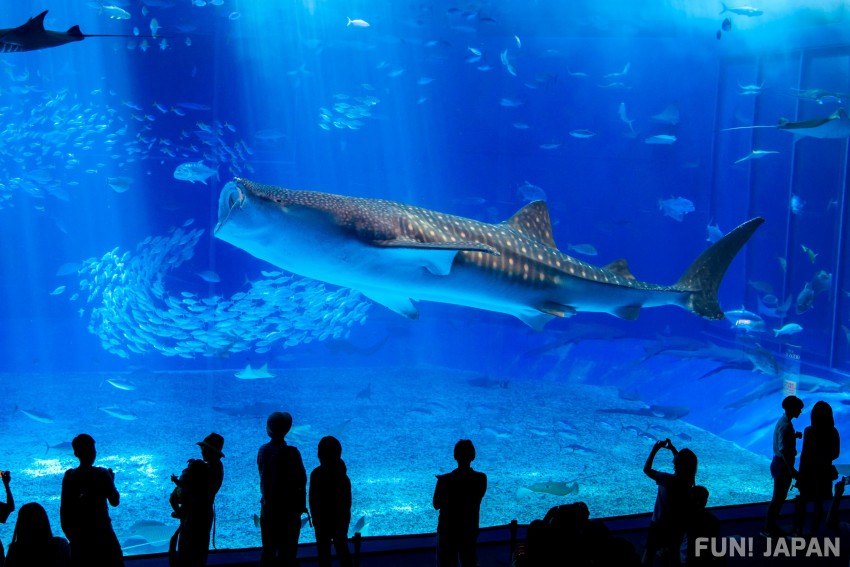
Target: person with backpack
(283, 486)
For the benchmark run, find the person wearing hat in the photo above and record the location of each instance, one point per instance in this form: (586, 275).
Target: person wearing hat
(782, 466)
(193, 501)
(283, 486)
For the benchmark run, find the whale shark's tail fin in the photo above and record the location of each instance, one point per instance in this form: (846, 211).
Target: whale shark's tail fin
(702, 278)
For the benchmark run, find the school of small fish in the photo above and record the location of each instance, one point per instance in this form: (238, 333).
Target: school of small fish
(132, 312)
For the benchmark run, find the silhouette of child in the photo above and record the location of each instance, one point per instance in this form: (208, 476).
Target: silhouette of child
(283, 485)
(458, 496)
(6, 507)
(330, 503)
(821, 446)
(782, 466)
(83, 511)
(33, 543)
(666, 529)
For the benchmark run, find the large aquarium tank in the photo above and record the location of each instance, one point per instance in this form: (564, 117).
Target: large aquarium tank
(522, 216)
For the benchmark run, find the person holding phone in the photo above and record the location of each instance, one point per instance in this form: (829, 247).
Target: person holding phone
(667, 526)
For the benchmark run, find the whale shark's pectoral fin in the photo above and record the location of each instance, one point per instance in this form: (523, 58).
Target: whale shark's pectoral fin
(628, 312)
(399, 303)
(436, 257)
(545, 313)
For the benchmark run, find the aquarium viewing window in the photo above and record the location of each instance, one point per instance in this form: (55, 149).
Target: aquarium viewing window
(560, 231)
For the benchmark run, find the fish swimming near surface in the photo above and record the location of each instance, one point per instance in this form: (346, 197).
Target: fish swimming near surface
(395, 253)
(741, 10)
(836, 126)
(32, 36)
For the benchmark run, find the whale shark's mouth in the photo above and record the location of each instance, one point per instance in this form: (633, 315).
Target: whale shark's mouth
(232, 195)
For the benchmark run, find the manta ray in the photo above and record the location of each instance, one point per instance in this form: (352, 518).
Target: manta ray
(836, 126)
(32, 36)
(395, 253)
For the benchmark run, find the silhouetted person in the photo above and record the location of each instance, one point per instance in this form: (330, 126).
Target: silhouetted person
(83, 510)
(821, 446)
(667, 527)
(193, 501)
(283, 485)
(6, 507)
(782, 466)
(330, 503)
(458, 496)
(700, 523)
(33, 543)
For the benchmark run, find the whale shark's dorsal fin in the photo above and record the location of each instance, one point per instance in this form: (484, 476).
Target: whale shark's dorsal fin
(36, 22)
(621, 268)
(532, 221)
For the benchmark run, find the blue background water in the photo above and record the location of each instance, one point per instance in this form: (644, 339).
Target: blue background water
(437, 136)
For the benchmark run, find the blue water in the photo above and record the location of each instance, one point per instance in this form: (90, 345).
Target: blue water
(612, 114)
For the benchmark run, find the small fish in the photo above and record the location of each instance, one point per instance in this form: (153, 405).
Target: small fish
(670, 115)
(676, 207)
(114, 12)
(119, 413)
(805, 299)
(789, 329)
(209, 276)
(726, 25)
(714, 232)
(518, 42)
(125, 385)
(120, 184)
(357, 23)
(529, 192)
(756, 154)
(810, 253)
(783, 264)
(36, 415)
(154, 27)
(582, 134)
(661, 139)
(194, 171)
(748, 11)
(63, 447)
(821, 282)
(586, 249)
(58, 290)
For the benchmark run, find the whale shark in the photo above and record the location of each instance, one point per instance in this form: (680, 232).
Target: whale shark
(395, 253)
(32, 36)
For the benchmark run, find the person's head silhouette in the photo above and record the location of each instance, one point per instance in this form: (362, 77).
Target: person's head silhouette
(464, 452)
(83, 445)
